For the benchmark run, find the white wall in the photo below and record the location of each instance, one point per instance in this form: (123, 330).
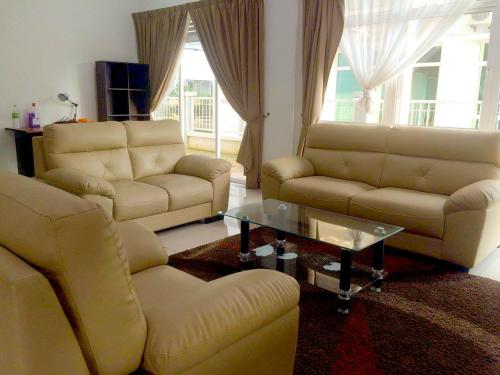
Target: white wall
(282, 72)
(49, 47)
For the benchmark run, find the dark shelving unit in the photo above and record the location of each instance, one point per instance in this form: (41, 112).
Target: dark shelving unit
(122, 91)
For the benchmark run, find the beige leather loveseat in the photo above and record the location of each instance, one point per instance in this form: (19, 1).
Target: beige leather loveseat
(442, 185)
(136, 170)
(80, 294)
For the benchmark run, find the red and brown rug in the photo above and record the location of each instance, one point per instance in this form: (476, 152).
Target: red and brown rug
(429, 319)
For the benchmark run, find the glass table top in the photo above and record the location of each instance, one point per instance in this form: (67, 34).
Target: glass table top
(344, 231)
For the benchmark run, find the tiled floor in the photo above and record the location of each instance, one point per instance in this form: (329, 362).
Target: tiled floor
(192, 235)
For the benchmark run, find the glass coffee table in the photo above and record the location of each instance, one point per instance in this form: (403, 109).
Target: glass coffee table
(350, 234)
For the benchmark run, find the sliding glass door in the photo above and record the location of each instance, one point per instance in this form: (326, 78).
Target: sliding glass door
(210, 125)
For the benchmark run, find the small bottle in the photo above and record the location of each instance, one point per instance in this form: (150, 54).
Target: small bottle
(33, 118)
(15, 118)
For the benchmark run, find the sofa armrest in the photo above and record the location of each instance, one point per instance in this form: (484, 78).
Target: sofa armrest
(202, 166)
(144, 248)
(479, 196)
(195, 326)
(79, 183)
(289, 167)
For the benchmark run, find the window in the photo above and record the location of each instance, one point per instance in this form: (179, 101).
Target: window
(446, 85)
(343, 92)
(424, 82)
(452, 85)
(210, 126)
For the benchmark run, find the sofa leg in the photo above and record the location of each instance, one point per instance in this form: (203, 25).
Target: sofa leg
(212, 219)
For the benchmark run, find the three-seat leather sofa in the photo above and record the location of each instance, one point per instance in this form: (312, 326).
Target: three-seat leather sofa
(136, 170)
(81, 294)
(441, 185)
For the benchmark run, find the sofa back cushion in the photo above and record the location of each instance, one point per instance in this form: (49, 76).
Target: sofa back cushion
(351, 152)
(76, 245)
(155, 147)
(97, 149)
(440, 161)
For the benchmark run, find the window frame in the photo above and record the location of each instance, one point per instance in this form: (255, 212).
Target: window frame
(489, 118)
(488, 115)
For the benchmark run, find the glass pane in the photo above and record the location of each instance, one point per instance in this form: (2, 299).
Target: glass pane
(424, 83)
(484, 52)
(342, 62)
(198, 101)
(342, 92)
(339, 230)
(346, 86)
(448, 90)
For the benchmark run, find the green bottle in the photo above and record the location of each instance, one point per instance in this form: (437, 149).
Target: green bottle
(16, 124)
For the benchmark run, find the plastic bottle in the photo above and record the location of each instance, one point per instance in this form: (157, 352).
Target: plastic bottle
(33, 118)
(15, 118)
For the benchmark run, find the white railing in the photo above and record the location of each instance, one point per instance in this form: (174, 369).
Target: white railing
(198, 116)
(170, 108)
(423, 112)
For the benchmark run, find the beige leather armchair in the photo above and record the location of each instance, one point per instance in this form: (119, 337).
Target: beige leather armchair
(81, 294)
(441, 185)
(135, 170)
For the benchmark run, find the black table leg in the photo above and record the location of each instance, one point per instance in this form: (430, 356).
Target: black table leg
(344, 296)
(378, 266)
(281, 241)
(244, 241)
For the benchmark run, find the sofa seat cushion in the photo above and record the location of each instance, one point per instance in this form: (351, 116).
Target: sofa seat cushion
(418, 212)
(322, 192)
(183, 191)
(135, 200)
(186, 328)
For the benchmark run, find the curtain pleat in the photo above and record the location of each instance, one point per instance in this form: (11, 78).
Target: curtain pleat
(232, 35)
(160, 40)
(323, 25)
(383, 37)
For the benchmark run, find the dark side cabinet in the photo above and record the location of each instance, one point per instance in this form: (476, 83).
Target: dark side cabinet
(122, 91)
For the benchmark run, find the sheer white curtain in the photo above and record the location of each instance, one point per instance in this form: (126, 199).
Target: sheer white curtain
(383, 37)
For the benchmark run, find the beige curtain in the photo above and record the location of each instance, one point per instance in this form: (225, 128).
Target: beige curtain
(323, 25)
(160, 40)
(232, 35)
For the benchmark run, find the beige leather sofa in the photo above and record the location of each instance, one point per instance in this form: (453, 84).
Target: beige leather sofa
(442, 185)
(136, 170)
(80, 294)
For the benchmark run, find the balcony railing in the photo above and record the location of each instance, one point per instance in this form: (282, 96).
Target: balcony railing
(423, 112)
(170, 108)
(198, 116)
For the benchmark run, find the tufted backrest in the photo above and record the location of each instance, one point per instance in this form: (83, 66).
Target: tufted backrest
(351, 152)
(155, 147)
(78, 248)
(438, 160)
(97, 149)
(432, 160)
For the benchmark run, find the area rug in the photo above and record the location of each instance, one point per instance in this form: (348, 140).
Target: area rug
(430, 318)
